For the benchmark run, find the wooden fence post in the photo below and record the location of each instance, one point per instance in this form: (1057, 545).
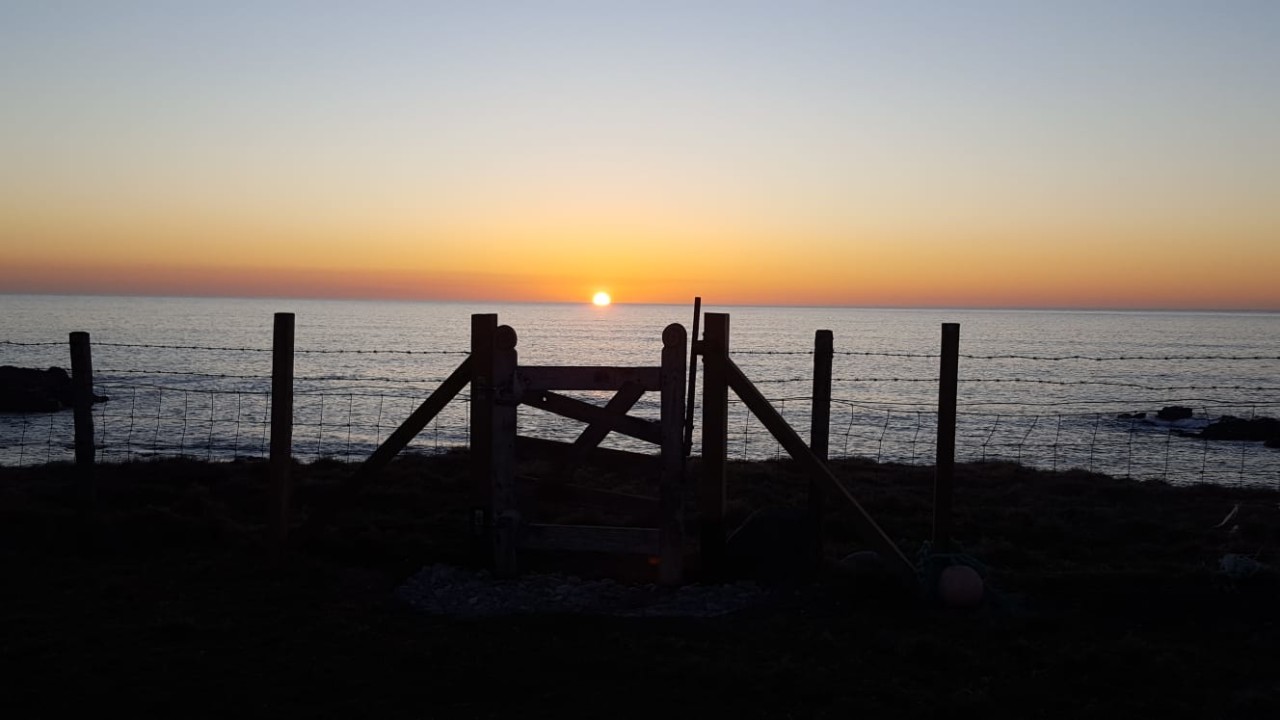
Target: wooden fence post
(715, 442)
(82, 407)
(820, 419)
(82, 397)
(671, 491)
(944, 466)
(281, 459)
(483, 327)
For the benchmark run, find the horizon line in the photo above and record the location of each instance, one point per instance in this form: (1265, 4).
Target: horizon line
(994, 308)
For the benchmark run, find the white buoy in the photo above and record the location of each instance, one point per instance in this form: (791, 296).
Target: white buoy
(960, 586)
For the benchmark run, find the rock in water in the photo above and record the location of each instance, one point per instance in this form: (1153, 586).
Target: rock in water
(32, 390)
(1174, 412)
(1261, 429)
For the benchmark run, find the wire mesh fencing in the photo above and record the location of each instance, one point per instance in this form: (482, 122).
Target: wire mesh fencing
(214, 403)
(1131, 445)
(1093, 412)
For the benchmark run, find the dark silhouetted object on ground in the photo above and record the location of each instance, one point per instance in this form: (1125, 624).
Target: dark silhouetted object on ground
(32, 390)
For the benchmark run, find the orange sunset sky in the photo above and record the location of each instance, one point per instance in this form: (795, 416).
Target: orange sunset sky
(1009, 154)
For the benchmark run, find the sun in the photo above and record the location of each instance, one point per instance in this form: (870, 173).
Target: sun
(601, 299)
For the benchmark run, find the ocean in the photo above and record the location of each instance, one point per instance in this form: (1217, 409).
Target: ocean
(1049, 389)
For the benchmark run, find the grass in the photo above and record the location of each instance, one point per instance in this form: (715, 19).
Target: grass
(163, 602)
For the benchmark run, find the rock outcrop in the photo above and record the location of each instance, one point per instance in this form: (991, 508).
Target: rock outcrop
(1174, 412)
(1261, 429)
(26, 390)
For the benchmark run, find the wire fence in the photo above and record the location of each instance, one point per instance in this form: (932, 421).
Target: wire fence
(1131, 445)
(214, 403)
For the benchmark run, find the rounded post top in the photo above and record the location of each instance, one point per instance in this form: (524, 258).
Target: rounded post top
(674, 334)
(505, 337)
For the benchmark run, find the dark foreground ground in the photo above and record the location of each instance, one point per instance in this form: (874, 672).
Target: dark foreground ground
(163, 603)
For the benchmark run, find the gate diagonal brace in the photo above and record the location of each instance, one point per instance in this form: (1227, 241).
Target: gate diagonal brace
(600, 420)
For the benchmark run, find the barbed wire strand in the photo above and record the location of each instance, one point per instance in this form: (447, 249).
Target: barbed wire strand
(1013, 356)
(32, 344)
(225, 348)
(745, 351)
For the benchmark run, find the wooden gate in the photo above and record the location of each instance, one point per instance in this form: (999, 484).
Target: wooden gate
(499, 385)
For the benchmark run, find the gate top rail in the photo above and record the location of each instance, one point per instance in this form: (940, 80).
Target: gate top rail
(537, 378)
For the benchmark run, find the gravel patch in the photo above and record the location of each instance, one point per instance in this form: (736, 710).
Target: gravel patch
(448, 590)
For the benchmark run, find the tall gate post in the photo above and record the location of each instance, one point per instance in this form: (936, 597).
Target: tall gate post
(671, 489)
(483, 328)
(715, 442)
(505, 399)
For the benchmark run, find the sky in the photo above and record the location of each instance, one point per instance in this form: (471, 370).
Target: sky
(1118, 154)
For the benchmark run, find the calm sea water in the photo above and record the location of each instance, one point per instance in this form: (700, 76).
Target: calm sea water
(190, 376)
